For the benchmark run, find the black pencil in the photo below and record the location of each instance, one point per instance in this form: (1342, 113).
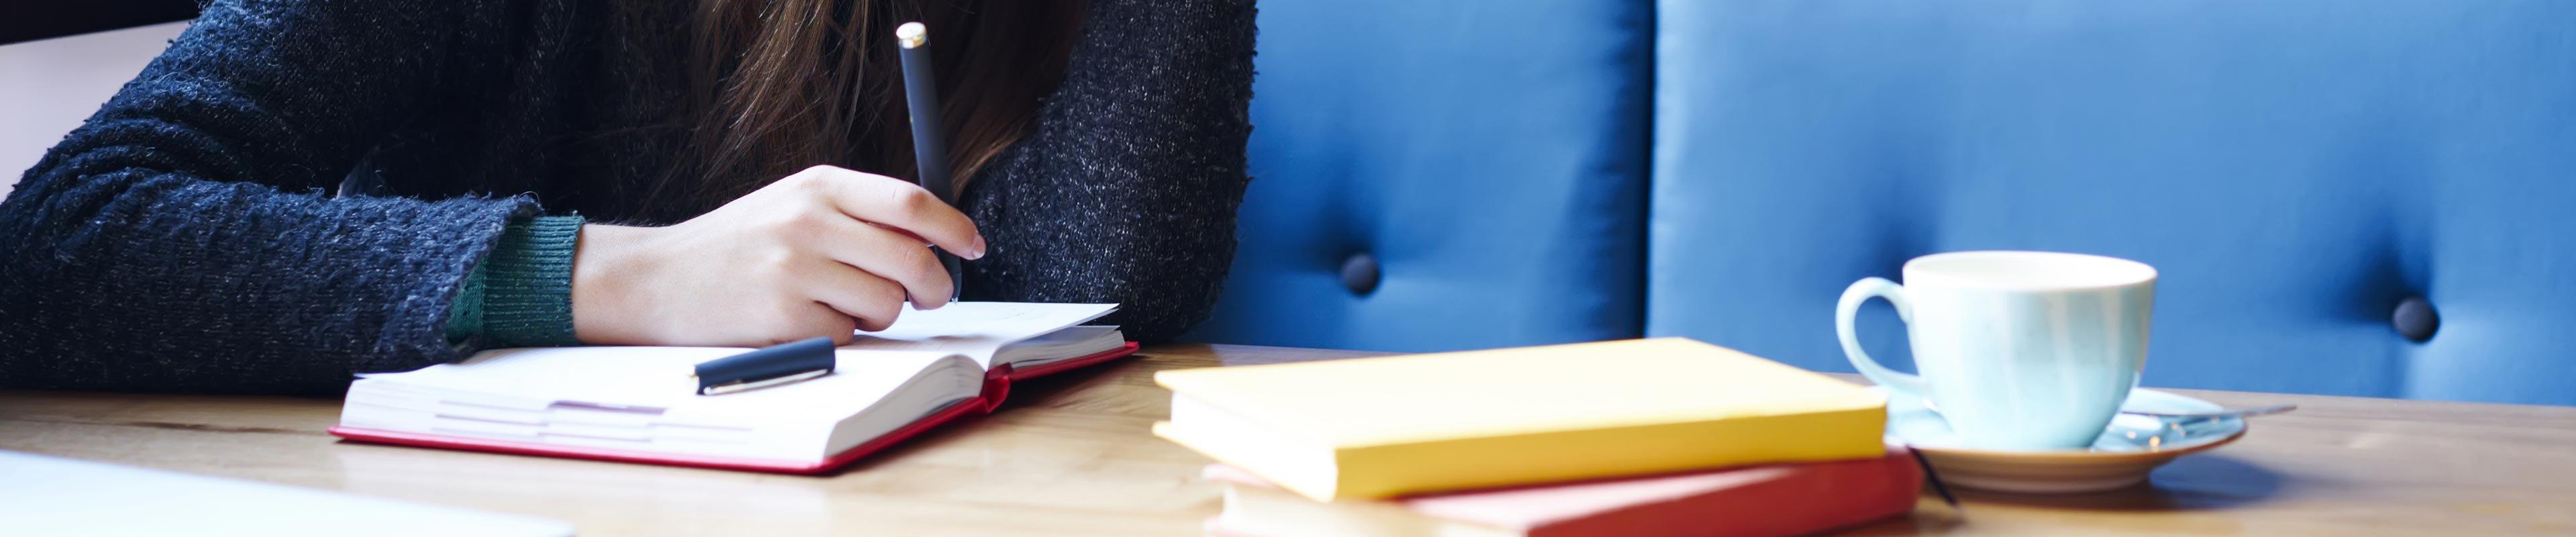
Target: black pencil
(929, 145)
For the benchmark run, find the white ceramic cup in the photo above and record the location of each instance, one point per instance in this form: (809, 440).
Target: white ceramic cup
(2017, 350)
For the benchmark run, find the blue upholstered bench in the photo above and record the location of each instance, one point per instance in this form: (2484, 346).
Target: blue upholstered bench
(2343, 198)
(1477, 172)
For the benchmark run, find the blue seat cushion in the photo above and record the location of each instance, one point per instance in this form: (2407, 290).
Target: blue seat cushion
(1488, 162)
(2296, 169)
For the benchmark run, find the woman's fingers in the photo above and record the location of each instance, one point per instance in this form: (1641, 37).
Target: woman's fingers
(815, 319)
(897, 204)
(871, 301)
(890, 255)
(825, 252)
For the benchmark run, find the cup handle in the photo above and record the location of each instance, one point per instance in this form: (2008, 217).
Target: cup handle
(1859, 292)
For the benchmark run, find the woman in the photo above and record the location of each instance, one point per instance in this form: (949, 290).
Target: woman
(296, 191)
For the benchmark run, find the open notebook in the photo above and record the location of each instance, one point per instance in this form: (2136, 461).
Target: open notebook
(639, 403)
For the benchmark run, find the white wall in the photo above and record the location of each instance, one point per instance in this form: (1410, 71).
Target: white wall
(47, 87)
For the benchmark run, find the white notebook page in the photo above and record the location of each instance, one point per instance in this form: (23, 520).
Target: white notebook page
(977, 329)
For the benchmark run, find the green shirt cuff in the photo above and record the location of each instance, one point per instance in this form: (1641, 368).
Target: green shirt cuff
(521, 294)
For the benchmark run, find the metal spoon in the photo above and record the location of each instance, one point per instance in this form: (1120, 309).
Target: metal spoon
(2220, 413)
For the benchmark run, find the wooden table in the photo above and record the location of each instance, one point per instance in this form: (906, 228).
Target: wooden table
(1070, 456)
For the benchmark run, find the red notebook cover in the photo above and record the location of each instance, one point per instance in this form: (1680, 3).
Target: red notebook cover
(997, 386)
(1777, 499)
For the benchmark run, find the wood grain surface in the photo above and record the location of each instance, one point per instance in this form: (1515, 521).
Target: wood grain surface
(1069, 455)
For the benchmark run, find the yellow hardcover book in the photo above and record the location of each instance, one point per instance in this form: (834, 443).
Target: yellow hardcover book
(1380, 427)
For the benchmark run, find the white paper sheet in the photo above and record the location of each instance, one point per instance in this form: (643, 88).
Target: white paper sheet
(55, 496)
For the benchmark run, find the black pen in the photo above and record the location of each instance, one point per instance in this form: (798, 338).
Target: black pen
(769, 366)
(929, 146)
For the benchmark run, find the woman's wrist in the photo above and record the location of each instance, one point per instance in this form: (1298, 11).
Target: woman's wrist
(606, 272)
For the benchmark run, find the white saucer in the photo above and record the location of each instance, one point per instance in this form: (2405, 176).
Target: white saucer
(2128, 449)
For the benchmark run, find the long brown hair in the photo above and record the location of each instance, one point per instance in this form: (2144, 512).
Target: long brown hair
(775, 86)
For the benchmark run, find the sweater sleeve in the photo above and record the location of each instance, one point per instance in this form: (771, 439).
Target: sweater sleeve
(1126, 190)
(179, 240)
(521, 294)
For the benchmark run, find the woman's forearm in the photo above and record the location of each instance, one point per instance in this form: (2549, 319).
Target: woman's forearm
(179, 240)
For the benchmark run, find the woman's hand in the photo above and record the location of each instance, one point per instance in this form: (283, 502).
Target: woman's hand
(820, 253)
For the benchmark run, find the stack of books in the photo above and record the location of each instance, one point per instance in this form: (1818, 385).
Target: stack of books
(1640, 437)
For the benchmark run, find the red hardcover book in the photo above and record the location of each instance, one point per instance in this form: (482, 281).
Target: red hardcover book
(636, 404)
(1782, 499)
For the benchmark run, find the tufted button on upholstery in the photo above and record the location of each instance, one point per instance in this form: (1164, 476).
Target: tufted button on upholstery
(1360, 273)
(2415, 318)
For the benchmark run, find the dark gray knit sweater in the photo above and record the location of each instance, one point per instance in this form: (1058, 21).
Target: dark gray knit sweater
(182, 239)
